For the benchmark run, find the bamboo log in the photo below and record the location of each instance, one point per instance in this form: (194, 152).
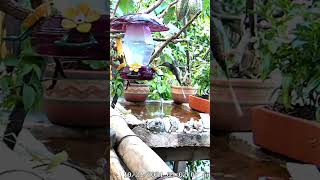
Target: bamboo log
(13, 9)
(116, 170)
(141, 160)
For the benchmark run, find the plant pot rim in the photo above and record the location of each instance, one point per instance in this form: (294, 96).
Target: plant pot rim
(197, 97)
(141, 85)
(263, 108)
(77, 74)
(183, 87)
(248, 83)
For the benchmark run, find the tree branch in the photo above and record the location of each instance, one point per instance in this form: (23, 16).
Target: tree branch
(158, 52)
(227, 17)
(115, 10)
(167, 9)
(155, 39)
(11, 8)
(174, 41)
(152, 7)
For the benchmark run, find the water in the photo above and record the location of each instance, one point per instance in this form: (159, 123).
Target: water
(229, 165)
(138, 52)
(150, 110)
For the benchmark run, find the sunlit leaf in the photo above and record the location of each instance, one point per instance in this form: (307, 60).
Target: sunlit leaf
(57, 160)
(127, 6)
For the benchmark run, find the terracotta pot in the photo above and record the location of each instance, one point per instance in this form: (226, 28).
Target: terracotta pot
(78, 100)
(180, 94)
(199, 104)
(136, 93)
(249, 93)
(293, 137)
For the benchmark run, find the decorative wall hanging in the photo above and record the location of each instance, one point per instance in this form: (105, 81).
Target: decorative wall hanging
(77, 30)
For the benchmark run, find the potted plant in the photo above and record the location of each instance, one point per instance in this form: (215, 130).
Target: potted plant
(181, 93)
(233, 96)
(136, 91)
(78, 100)
(291, 125)
(193, 53)
(201, 79)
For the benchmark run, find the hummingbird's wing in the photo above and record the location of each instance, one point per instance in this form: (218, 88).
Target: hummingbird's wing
(173, 69)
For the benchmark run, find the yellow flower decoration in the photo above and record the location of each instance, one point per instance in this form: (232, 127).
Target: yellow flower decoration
(119, 46)
(134, 67)
(80, 17)
(121, 66)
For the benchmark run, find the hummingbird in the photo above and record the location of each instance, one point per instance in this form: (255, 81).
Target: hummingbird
(220, 58)
(173, 69)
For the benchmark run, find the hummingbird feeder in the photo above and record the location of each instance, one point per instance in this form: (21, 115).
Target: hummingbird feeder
(138, 44)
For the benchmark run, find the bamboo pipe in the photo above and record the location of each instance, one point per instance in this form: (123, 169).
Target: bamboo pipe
(116, 170)
(140, 159)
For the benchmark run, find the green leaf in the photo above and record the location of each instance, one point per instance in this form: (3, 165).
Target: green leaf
(5, 82)
(266, 66)
(11, 61)
(37, 70)
(29, 95)
(206, 7)
(32, 59)
(119, 92)
(127, 6)
(28, 52)
(57, 160)
(298, 43)
(169, 15)
(26, 69)
(160, 8)
(286, 90)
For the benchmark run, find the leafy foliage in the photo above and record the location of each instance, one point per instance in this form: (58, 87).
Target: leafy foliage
(194, 167)
(201, 78)
(195, 45)
(292, 46)
(160, 87)
(23, 84)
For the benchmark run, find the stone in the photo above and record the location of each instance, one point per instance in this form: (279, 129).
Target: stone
(155, 125)
(301, 171)
(205, 119)
(180, 128)
(167, 124)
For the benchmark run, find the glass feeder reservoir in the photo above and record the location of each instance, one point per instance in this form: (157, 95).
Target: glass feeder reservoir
(138, 44)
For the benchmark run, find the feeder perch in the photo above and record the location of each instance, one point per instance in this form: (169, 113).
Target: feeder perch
(138, 44)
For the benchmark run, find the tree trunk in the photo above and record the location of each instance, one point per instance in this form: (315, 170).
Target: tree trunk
(12, 8)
